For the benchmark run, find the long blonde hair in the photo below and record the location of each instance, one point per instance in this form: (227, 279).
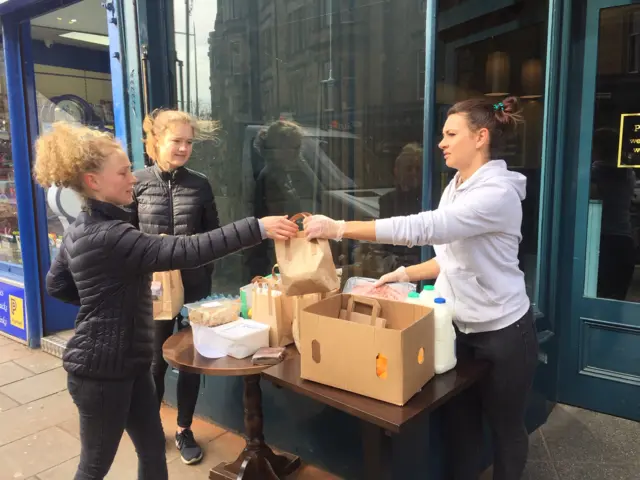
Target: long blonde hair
(67, 152)
(157, 123)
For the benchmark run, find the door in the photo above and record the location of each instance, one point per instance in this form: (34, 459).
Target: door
(71, 54)
(601, 347)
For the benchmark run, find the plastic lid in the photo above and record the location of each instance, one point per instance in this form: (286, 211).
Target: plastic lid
(428, 288)
(440, 300)
(414, 295)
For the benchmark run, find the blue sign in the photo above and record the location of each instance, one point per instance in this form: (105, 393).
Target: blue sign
(13, 320)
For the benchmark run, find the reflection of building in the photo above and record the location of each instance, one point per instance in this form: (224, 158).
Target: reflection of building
(324, 67)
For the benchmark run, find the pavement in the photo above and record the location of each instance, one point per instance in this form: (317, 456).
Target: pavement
(39, 434)
(39, 430)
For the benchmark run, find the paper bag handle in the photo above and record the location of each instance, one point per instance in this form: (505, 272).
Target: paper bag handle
(374, 304)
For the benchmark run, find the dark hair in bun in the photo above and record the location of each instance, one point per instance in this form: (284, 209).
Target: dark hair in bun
(501, 118)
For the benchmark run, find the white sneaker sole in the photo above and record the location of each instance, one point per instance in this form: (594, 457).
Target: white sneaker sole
(198, 459)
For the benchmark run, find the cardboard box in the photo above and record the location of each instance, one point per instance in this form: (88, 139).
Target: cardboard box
(344, 349)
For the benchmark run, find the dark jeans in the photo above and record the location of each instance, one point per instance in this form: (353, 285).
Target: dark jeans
(108, 408)
(501, 398)
(188, 383)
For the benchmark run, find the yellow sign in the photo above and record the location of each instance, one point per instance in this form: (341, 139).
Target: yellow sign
(16, 312)
(629, 146)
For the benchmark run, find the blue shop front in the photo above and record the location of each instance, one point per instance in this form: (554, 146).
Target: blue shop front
(371, 83)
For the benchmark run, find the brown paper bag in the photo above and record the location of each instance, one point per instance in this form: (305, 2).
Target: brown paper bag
(306, 266)
(171, 300)
(267, 305)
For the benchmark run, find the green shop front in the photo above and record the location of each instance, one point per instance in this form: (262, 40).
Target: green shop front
(370, 82)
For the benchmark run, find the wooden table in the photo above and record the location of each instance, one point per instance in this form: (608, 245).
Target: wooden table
(382, 420)
(256, 461)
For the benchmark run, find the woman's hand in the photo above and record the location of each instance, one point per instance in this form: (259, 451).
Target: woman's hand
(279, 228)
(399, 275)
(319, 226)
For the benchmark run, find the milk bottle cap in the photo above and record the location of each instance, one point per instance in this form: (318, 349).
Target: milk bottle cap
(428, 288)
(413, 295)
(440, 301)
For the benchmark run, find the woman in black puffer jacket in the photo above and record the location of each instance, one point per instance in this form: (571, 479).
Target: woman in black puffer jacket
(170, 199)
(105, 266)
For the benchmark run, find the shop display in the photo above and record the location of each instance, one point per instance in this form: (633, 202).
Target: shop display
(349, 347)
(306, 266)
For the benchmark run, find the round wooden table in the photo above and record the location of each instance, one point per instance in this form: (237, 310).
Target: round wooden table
(256, 461)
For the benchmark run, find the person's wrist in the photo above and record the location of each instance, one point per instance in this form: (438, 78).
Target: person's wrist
(341, 226)
(403, 275)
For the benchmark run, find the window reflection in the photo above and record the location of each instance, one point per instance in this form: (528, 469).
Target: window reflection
(614, 226)
(495, 53)
(321, 108)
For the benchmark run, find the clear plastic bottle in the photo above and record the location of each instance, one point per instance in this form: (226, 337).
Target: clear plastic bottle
(445, 337)
(428, 295)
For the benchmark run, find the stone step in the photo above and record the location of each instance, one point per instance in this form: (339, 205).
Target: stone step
(56, 343)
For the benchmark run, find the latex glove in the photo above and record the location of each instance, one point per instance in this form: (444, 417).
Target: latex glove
(319, 226)
(399, 275)
(279, 228)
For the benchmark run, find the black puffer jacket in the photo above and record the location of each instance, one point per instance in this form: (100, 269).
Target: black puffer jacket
(105, 266)
(177, 203)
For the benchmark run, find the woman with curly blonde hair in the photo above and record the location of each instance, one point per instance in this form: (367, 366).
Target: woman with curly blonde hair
(104, 265)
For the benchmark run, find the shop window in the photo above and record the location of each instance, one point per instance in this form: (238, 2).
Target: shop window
(358, 153)
(488, 57)
(10, 250)
(634, 43)
(73, 81)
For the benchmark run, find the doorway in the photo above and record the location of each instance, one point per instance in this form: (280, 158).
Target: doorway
(600, 351)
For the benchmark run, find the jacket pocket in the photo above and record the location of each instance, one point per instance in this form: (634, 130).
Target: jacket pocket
(472, 302)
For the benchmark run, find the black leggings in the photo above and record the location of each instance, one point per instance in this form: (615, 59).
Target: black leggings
(108, 408)
(188, 383)
(501, 398)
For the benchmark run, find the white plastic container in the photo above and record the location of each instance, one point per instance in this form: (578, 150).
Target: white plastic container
(445, 337)
(414, 297)
(239, 339)
(428, 296)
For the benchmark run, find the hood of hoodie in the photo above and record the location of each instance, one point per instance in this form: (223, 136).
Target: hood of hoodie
(496, 172)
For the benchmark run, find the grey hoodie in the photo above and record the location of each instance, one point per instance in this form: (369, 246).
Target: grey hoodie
(476, 235)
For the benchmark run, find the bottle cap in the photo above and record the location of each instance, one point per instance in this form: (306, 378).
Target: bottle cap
(428, 288)
(414, 295)
(440, 300)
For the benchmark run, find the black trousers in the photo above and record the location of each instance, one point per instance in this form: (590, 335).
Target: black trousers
(108, 408)
(501, 398)
(188, 383)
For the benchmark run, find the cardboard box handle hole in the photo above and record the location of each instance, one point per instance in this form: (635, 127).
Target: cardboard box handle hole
(421, 356)
(381, 366)
(315, 351)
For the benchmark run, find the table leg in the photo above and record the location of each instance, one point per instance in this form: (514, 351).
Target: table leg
(376, 449)
(257, 461)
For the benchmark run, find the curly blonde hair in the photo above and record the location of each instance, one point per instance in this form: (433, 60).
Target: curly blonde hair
(157, 123)
(67, 152)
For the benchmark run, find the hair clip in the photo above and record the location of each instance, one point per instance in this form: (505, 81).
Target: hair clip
(498, 106)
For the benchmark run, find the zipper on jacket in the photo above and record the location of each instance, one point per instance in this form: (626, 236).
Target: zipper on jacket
(171, 226)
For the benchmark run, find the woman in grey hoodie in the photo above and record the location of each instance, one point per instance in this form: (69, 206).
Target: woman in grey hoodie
(476, 232)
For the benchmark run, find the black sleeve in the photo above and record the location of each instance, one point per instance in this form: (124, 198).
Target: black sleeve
(135, 252)
(210, 219)
(60, 282)
(134, 210)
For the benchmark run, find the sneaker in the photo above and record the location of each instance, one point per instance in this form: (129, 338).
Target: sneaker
(190, 451)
